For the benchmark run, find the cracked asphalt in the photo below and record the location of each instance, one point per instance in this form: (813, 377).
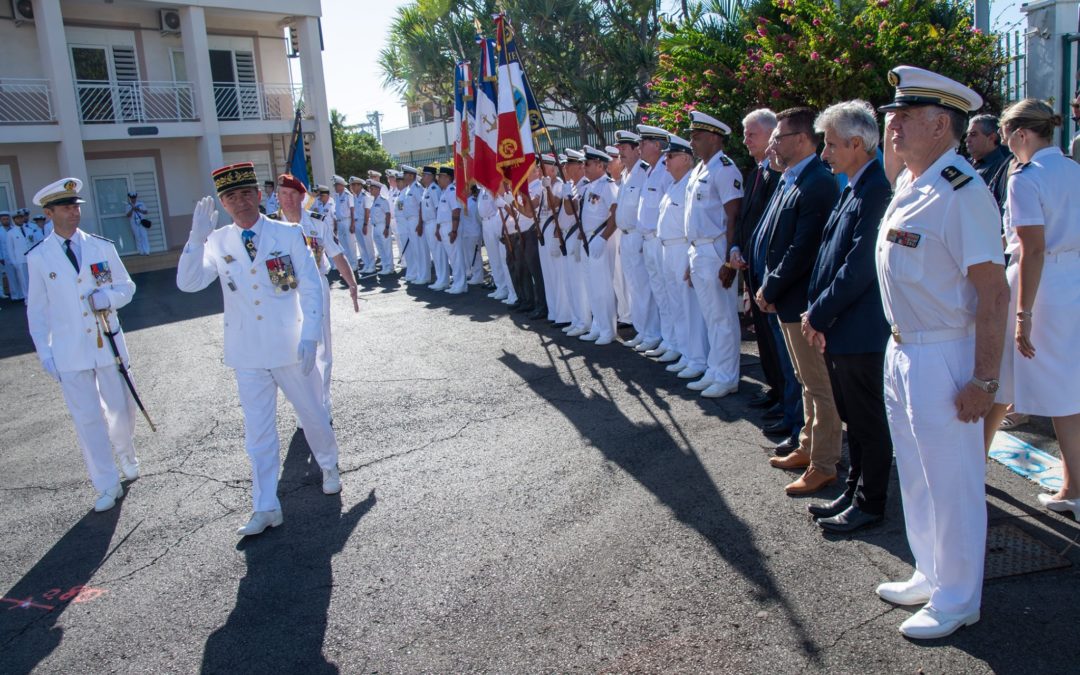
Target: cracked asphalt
(514, 501)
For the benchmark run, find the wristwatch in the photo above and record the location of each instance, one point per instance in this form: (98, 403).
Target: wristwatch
(989, 386)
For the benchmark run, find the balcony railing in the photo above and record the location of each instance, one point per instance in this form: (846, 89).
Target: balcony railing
(135, 102)
(25, 101)
(256, 100)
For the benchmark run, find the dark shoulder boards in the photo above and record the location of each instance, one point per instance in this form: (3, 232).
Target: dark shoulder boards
(316, 215)
(34, 246)
(610, 179)
(1018, 168)
(644, 164)
(725, 160)
(276, 215)
(957, 178)
(98, 236)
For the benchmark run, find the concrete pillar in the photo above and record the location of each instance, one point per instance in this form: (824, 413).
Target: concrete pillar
(197, 62)
(53, 52)
(1048, 21)
(311, 73)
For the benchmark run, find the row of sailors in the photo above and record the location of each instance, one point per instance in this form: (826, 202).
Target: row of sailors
(18, 234)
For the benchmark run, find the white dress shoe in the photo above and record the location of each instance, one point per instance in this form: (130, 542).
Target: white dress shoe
(670, 356)
(457, 291)
(914, 591)
(701, 385)
(493, 294)
(260, 520)
(655, 352)
(689, 373)
(107, 499)
(129, 467)
(633, 342)
(1061, 505)
(438, 287)
(331, 481)
(577, 332)
(589, 337)
(678, 366)
(604, 341)
(567, 329)
(646, 346)
(509, 300)
(500, 295)
(928, 623)
(717, 390)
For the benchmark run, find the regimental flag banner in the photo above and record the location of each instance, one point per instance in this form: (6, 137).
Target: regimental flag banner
(515, 145)
(536, 118)
(486, 139)
(463, 95)
(297, 159)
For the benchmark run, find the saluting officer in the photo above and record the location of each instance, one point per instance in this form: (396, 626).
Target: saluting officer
(942, 276)
(273, 320)
(73, 277)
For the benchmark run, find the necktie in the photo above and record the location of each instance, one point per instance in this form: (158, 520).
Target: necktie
(249, 243)
(71, 254)
(844, 194)
(757, 182)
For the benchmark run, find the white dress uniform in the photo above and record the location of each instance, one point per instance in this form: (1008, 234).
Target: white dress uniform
(266, 317)
(934, 229)
(454, 279)
(689, 336)
(319, 236)
(657, 182)
(377, 226)
(65, 328)
(408, 217)
(429, 208)
(712, 185)
(575, 263)
(344, 216)
(1044, 192)
(471, 240)
(643, 311)
(365, 237)
(551, 263)
(270, 202)
(4, 272)
(141, 235)
(489, 208)
(15, 246)
(599, 196)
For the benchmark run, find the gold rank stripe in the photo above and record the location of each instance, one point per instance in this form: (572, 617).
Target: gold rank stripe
(704, 126)
(946, 98)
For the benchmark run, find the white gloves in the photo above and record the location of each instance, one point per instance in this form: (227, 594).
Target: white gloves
(203, 220)
(546, 181)
(99, 300)
(306, 354)
(49, 366)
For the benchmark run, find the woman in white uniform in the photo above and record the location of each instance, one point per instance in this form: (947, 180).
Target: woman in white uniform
(1040, 374)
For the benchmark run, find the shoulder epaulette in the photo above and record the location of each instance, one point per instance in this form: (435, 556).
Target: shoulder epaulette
(725, 160)
(316, 215)
(610, 179)
(276, 215)
(34, 246)
(645, 165)
(1018, 168)
(98, 236)
(956, 177)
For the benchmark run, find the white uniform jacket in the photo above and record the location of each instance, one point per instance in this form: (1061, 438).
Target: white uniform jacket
(61, 322)
(265, 320)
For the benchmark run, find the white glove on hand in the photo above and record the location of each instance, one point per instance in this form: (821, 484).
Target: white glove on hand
(99, 300)
(306, 354)
(546, 181)
(49, 366)
(203, 220)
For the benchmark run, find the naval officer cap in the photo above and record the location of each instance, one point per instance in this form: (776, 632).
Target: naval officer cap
(5, 212)
(624, 136)
(322, 189)
(612, 150)
(699, 121)
(63, 191)
(39, 216)
(648, 133)
(354, 180)
(337, 180)
(372, 173)
(916, 86)
(430, 169)
(405, 168)
(562, 158)
(548, 158)
(446, 171)
(677, 144)
(573, 155)
(23, 212)
(593, 153)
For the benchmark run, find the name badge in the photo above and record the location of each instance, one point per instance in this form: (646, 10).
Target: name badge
(904, 238)
(282, 274)
(102, 273)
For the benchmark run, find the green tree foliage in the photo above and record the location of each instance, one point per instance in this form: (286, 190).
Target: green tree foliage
(356, 151)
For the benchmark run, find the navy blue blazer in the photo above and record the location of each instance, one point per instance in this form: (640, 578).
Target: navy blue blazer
(845, 301)
(793, 237)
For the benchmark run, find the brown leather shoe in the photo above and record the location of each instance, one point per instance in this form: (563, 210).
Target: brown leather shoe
(796, 460)
(810, 482)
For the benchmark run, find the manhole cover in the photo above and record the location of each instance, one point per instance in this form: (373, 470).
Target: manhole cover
(1011, 552)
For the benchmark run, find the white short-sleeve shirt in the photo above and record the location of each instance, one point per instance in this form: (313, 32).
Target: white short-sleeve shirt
(711, 185)
(657, 181)
(1045, 191)
(673, 209)
(630, 191)
(599, 196)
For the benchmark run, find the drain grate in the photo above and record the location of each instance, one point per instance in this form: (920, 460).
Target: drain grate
(1011, 552)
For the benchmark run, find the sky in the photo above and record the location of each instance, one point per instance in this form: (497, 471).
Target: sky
(353, 38)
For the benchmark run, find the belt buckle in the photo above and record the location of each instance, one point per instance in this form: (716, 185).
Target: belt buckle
(896, 334)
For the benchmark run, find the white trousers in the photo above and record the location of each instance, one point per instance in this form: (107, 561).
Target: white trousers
(643, 312)
(601, 277)
(500, 273)
(691, 338)
(18, 280)
(324, 356)
(474, 259)
(720, 309)
(438, 254)
(560, 284)
(141, 236)
(385, 246)
(455, 260)
(652, 254)
(421, 262)
(942, 468)
(258, 397)
(367, 248)
(104, 415)
(401, 234)
(348, 243)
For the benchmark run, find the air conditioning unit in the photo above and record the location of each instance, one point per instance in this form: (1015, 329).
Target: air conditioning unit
(170, 22)
(22, 11)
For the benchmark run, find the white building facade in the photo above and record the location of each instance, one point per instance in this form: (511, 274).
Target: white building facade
(150, 97)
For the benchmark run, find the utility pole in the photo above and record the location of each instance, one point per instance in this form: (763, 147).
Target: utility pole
(982, 16)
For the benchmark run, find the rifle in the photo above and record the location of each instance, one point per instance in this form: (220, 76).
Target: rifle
(578, 227)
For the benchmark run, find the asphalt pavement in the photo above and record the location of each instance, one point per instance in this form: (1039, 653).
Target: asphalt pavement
(514, 501)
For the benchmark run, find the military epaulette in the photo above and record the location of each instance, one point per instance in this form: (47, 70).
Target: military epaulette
(725, 160)
(1018, 168)
(610, 179)
(956, 177)
(98, 236)
(276, 215)
(645, 165)
(34, 246)
(316, 215)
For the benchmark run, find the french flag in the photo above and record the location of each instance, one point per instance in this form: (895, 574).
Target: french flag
(486, 138)
(516, 154)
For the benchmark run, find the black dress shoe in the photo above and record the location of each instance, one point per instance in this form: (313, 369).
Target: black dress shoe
(523, 308)
(774, 413)
(538, 314)
(762, 401)
(777, 429)
(786, 447)
(830, 509)
(850, 520)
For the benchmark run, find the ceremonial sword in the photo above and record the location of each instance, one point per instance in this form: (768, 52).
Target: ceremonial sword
(101, 315)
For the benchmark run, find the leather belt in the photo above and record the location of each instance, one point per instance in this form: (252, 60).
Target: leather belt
(923, 337)
(673, 241)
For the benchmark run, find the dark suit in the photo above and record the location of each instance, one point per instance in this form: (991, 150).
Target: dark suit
(760, 185)
(845, 305)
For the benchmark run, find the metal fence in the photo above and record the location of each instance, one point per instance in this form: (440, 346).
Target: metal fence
(1011, 47)
(256, 100)
(24, 101)
(122, 102)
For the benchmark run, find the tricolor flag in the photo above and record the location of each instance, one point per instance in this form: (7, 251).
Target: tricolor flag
(463, 100)
(486, 140)
(515, 147)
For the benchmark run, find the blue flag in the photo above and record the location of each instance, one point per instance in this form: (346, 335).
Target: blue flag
(536, 118)
(297, 159)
